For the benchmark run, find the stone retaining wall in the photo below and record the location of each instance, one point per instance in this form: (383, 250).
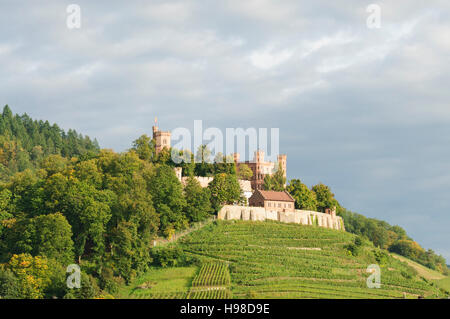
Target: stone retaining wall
(304, 217)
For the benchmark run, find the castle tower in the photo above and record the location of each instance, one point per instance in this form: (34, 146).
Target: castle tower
(259, 156)
(282, 160)
(162, 139)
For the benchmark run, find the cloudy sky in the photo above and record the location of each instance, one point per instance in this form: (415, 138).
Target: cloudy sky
(365, 111)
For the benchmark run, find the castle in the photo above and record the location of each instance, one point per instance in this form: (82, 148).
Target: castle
(280, 206)
(263, 205)
(260, 167)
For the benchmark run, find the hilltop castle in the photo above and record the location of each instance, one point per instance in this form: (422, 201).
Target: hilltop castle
(258, 165)
(263, 205)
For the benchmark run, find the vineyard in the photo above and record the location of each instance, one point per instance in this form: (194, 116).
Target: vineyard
(274, 260)
(249, 259)
(212, 274)
(211, 282)
(210, 294)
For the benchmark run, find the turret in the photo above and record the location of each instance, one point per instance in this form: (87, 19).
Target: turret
(282, 160)
(259, 156)
(162, 139)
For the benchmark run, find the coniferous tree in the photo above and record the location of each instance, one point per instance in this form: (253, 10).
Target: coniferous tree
(24, 142)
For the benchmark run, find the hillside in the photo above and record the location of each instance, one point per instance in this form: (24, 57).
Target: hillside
(422, 271)
(64, 201)
(275, 260)
(25, 142)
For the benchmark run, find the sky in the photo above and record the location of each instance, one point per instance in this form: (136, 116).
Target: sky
(363, 110)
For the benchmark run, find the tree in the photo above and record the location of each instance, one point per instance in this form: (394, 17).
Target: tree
(245, 172)
(203, 165)
(54, 164)
(268, 183)
(203, 154)
(27, 192)
(24, 143)
(276, 181)
(7, 113)
(376, 233)
(165, 156)
(134, 221)
(53, 238)
(144, 147)
(279, 179)
(407, 248)
(124, 238)
(304, 197)
(44, 235)
(54, 190)
(168, 199)
(225, 189)
(88, 171)
(325, 198)
(188, 164)
(198, 205)
(9, 285)
(32, 275)
(219, 158)
(5, 202)
(88, 211)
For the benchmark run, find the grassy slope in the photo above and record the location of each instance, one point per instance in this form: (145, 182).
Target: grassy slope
(164, 283)
(444, 283)
(269, 260)
(422, 271)
(276, 260)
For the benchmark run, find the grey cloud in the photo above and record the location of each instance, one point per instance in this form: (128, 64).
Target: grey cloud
(365, 111)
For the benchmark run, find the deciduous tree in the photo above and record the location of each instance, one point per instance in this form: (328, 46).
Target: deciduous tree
(304, 197)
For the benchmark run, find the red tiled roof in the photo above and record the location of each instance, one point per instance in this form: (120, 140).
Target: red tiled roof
(278, 196)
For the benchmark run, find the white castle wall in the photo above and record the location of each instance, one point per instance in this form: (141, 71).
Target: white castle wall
(304, 217)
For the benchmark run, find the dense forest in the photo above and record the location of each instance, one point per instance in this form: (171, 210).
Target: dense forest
(71, 203)
(99, 209)
(25, 142)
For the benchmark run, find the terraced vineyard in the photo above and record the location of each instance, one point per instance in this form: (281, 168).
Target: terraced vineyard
(212, 274)
(161, 295)
(210, 294)
(275, 260)
(212, 282)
